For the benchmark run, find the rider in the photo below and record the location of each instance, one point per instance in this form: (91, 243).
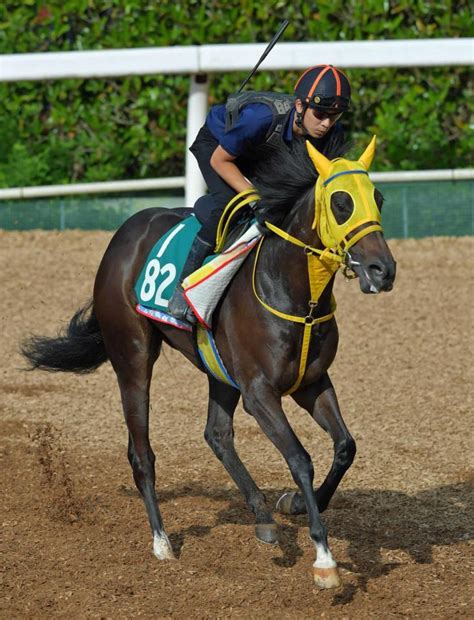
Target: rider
(241, 131)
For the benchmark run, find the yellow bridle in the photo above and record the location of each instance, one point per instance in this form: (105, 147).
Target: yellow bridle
(320, 271)
(337, 238)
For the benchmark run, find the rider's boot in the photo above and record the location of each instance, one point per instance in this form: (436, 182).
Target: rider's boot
(177, 305)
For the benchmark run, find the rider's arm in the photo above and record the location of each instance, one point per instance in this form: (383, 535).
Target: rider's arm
(223, 163)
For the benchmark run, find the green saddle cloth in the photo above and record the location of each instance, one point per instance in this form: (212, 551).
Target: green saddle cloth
(164, 264)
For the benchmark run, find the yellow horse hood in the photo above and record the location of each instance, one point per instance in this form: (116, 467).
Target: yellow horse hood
(351, 177)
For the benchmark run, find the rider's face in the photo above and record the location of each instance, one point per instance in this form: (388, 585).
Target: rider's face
(317, 123)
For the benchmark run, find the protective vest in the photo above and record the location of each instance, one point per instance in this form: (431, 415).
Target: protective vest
(280, 105)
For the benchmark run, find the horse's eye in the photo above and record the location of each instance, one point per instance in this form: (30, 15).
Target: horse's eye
(342, 206)
(378, 198)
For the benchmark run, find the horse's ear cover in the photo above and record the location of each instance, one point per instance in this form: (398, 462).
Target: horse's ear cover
(368, 155)
(320, 161)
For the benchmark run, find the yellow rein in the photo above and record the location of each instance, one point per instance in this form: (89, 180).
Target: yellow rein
(238, 202)
(322, 265)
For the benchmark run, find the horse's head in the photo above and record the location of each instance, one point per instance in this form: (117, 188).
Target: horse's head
(347, 218)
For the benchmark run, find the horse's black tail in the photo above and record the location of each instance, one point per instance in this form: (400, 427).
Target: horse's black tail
(78, 348)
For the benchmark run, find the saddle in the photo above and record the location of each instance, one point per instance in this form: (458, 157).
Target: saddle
(160, 273)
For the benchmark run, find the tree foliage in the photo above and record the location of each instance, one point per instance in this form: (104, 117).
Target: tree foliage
(96, 130)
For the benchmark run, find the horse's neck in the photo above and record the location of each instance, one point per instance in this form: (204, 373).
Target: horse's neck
(300, 220)
(283, 272)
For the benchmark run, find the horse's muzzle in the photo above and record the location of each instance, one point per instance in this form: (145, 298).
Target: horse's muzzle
(370, 258)
(376, 273)
(376, 276)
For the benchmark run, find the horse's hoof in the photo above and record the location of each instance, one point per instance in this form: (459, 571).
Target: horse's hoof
(325, 578)
(290, 504)
(162, 548)
(267, 533)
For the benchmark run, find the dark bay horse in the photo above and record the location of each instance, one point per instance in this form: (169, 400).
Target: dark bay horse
(275, 339)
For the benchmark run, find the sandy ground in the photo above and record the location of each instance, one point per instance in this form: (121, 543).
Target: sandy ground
(75, 538)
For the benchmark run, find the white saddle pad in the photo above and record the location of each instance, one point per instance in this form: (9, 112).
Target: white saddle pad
(204, 288)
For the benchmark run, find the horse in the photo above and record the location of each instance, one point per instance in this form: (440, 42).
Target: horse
(279, 338)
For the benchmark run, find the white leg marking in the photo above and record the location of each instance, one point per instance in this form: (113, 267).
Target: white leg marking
(324, 558)
(162, 547)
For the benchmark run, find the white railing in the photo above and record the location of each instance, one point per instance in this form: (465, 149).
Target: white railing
(107, 187)
(199, 61)
(195, 59)
(111, 187)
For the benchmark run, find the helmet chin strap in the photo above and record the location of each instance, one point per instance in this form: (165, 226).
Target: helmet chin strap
(299, 120)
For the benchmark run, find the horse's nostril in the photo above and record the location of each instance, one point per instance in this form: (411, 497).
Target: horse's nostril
(377, 271)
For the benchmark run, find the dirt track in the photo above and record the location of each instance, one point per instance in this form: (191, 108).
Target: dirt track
(76, 542)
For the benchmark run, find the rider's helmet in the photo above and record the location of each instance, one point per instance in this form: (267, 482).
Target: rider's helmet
(325, 88)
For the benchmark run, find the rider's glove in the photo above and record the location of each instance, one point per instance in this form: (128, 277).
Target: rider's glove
(263, 230)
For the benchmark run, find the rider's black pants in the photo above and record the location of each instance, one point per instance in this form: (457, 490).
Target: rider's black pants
(209, 209)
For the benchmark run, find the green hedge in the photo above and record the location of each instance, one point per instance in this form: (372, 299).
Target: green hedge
(96, 130)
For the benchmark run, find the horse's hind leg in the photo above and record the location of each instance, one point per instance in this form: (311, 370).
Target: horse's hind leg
(320, 400)
(132, 358)
(219, 434)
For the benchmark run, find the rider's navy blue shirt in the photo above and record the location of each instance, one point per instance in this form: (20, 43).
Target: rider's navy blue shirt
(254, 121)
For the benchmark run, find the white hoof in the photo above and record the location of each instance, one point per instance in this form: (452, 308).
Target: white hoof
(162, 547)
(325, 570)
(325, 578)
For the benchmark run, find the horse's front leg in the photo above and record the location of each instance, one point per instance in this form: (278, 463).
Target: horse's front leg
(320, 400)
(219, 434)
(265, 406)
